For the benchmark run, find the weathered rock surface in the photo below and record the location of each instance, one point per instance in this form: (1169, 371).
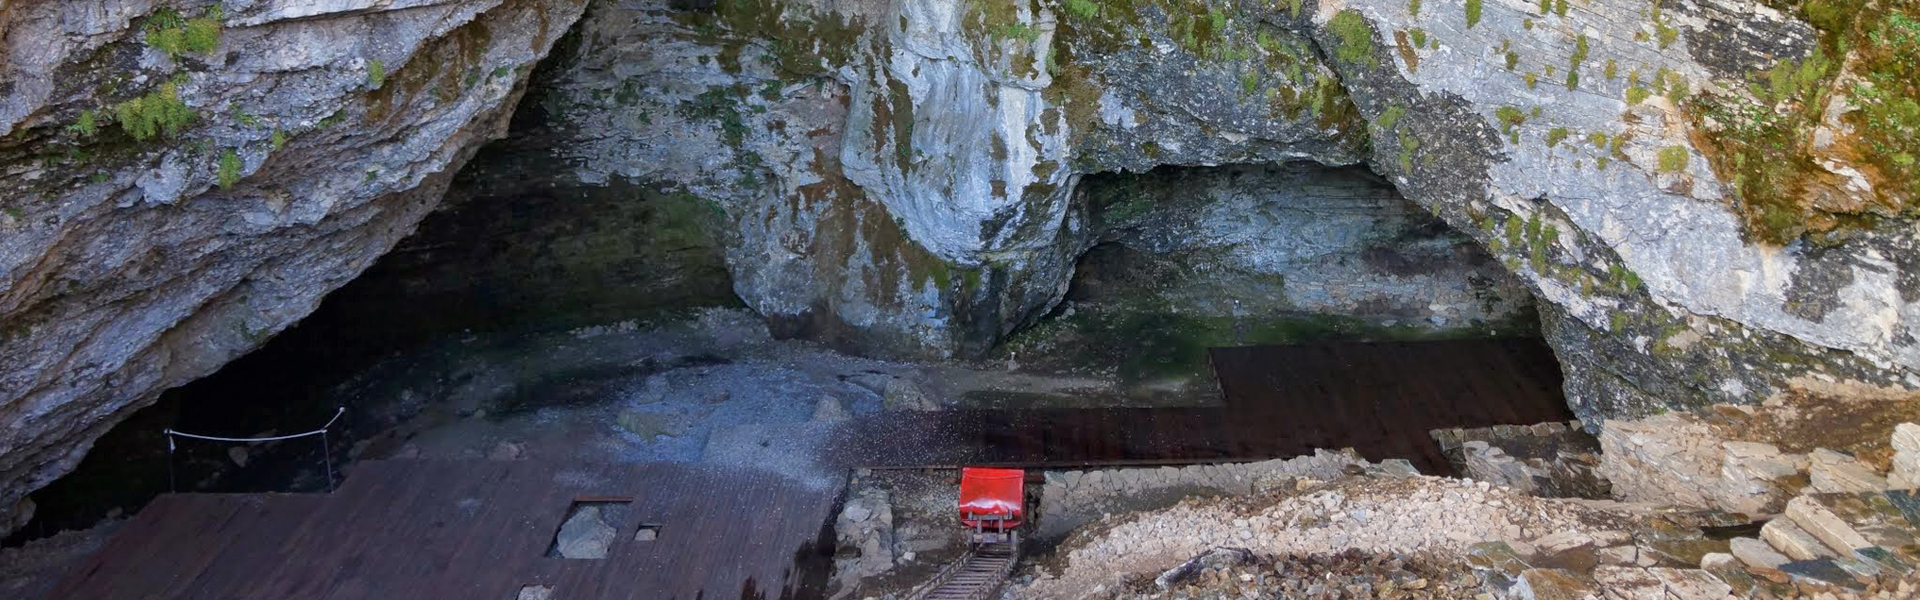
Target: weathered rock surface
(585, 534)
(1753, 459)
(144, 244)
(1545, 459)
(902, 176)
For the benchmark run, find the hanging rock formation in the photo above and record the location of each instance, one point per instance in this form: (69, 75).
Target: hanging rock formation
(186, 180)
(901, 176)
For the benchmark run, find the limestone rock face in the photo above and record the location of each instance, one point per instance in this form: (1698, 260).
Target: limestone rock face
(184, 181)
(903, 177)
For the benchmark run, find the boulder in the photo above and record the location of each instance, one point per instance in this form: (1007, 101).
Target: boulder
(585, 534)
(1211, 559)
(906, 394)
(1906, 457)
(1834, 472)
(829, 408)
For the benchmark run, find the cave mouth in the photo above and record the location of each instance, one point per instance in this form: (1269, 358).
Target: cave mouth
(459, 325)
(1183, 260)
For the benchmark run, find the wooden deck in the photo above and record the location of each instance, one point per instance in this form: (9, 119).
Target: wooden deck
(473, 530)
(1280, 401)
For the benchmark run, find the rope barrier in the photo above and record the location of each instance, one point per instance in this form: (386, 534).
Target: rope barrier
(321, 430)
(326, 448)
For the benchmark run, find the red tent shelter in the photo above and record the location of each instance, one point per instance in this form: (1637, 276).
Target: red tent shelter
(992, 501)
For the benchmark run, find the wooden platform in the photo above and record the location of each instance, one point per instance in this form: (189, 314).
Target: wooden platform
(1280, 402)
(474, 530)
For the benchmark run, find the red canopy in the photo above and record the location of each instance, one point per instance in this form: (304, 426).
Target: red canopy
(999, 492)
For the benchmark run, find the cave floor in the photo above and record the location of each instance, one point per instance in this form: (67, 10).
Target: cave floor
(476, 529)
(716, 400)
(721, 392)
(1279, 401)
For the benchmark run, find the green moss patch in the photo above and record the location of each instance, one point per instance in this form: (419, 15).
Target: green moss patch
(1356, 37)
(1763, 146)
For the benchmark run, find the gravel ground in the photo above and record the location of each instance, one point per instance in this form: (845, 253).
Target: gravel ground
(1375, 516)
(1351, 574)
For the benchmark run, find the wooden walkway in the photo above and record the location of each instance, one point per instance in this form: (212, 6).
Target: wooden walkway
(1280, 401)
(474, 530)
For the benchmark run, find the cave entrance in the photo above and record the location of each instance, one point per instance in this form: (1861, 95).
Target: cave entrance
(1313, 306)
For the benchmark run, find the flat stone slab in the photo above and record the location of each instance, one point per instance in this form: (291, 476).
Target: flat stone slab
(1822, 570)
(1792, 541)
(1551, 584)
(1886, 560)
(1657, 583)
(1497, 561)
(1756, 553)
(1823, 524)
(1908, 503)
(1838, 472)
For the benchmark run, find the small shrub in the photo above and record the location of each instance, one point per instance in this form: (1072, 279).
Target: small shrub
(167, 31)
(1673, 159)
(1676, 88)
(1473, 13)
(1532, 79)
(1560, 7)
(1599, 140)
(376, 74)
(1085, 9)
(1580, 50)
(278, 140)
(1636, 94)
(1419, 37)
(1665, 33)
(1613, 69)
(1513, 60)
(1556, 135)
(1413, 7)
(228, 171)
(1509, 118)
(86, 125)
(157, 113)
